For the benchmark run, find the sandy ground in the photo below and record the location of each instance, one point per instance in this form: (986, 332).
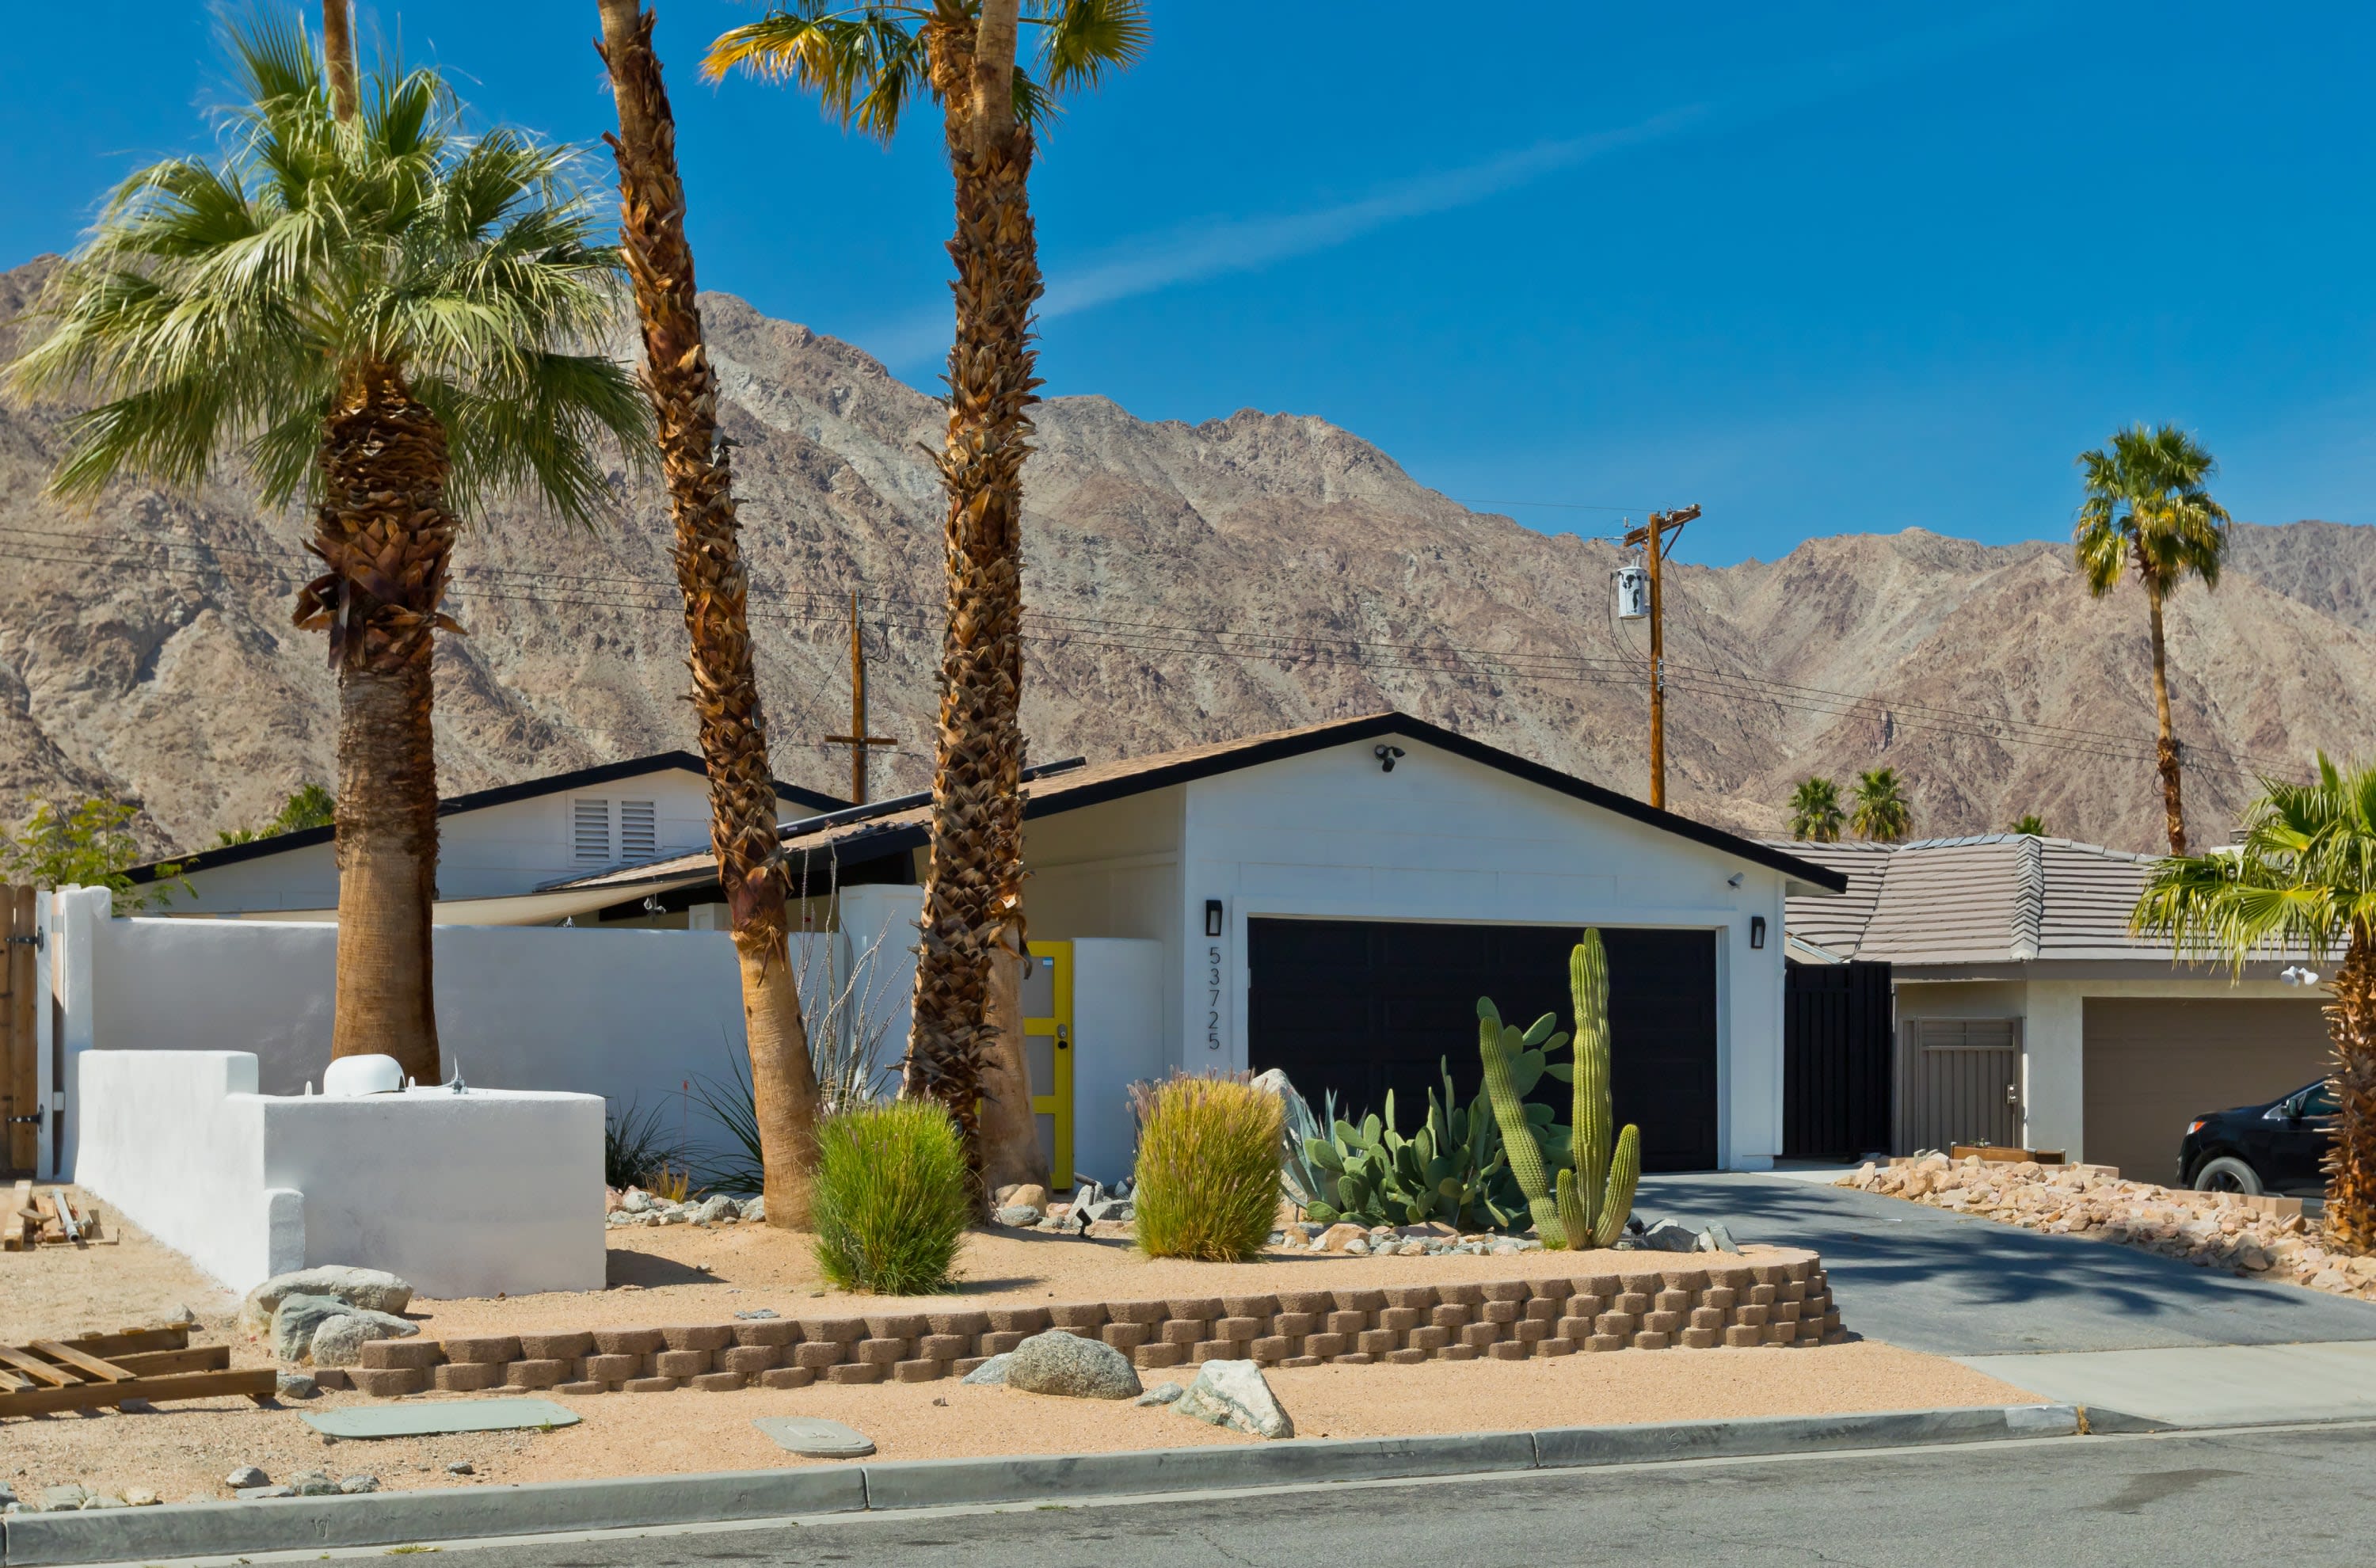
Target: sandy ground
(184, 1450)
(679, 1274)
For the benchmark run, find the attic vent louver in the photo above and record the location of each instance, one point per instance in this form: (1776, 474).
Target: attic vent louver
(639, 830)
(589, 831)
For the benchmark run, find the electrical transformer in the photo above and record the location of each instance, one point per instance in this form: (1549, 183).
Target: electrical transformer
(1633, 593)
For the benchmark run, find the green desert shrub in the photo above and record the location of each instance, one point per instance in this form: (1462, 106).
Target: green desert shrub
(892, 1199)
(1208, 1170)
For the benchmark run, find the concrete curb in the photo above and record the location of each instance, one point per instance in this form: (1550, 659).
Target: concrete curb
(392, 1518)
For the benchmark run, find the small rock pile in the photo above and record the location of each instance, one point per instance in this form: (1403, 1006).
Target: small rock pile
(1028, 1207)
(1435, 1241)
(637, 1207)
(2214, 1229)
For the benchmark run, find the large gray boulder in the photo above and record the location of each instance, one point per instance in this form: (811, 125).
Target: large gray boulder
(339, 1341)
(298, 1319)
(373, 1289)
(1235, 1395)
(1058, 1363)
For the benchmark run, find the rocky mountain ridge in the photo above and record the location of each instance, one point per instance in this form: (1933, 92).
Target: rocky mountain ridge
(1187, 583)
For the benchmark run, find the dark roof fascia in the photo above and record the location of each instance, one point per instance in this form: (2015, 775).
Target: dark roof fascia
(1280, 747)
(871, 844)
(479, 800)
(2042, 969)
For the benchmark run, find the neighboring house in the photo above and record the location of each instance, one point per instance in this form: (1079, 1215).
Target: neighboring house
(2026, 1014)
(492, 845)
(1332, 901)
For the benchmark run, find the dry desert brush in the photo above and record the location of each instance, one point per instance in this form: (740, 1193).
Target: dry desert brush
(892, 1198)
(1208, 1168)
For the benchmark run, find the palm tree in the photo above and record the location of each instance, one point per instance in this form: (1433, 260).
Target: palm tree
(2030, 825)
(684, 392)
(2146, 508)
(2301, 875)
(866, 60)
(1815, 810)
(382, 319)
(1882, 814)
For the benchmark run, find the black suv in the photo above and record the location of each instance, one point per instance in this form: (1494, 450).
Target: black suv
(2278, 1148)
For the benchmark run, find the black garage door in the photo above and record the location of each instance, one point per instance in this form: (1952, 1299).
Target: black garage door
(1364, 1006)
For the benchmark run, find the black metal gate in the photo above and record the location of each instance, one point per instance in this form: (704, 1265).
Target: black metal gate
(1837, 1035)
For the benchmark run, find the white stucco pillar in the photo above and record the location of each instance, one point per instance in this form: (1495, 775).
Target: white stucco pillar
(2054, 1067)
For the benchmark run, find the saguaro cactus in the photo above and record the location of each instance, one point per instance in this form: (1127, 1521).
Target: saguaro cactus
(1588, 1201)
(1596, 1196)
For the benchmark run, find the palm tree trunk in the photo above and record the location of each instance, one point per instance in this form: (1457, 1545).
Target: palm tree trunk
(709, 570)
(1010, 1131)
(2174, 809)
(383, 531)
(973, 889)
(338, 55)
(2351, 1161)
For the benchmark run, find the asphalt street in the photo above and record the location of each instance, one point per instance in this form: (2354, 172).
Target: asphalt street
(2301, 1497)
(1954, 1286)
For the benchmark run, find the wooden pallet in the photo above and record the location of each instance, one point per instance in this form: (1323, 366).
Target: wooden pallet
(49, 1219)
(99, 1370)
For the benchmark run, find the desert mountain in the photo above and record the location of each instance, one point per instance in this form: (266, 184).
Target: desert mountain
(1188, 583)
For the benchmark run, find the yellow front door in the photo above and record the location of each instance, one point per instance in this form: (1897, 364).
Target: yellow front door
(1048, 1053)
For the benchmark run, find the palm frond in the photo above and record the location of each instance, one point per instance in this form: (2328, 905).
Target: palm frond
(1081, 41)
(213, 307)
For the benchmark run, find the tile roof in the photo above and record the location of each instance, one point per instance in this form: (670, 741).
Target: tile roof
(1996, 898)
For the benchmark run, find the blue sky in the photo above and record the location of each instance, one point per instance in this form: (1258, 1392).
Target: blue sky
(1819, 267)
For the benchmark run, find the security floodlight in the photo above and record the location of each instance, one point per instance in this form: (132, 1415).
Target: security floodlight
(2294, 974)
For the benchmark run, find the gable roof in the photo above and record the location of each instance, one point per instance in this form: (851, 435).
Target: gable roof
(1994, 899)
(480, 800)
(851, 836)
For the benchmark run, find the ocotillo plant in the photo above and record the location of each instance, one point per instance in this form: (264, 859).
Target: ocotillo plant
(1594, 1191)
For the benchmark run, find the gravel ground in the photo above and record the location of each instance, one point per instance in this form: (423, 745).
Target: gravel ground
(184, 1450)
(679, 1273)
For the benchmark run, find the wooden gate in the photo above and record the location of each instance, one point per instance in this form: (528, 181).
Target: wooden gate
(1963, 1083)
(20, 1101)
(1836, 1045)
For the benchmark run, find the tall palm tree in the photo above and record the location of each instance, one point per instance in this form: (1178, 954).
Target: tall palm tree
(684, 392)
(386, 320)
(2028, 826)
(2302, 875)
(1815, 810)
(2147, 510)
(1882, 814)
(866, 61)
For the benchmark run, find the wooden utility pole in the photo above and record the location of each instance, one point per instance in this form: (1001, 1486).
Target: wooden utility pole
(1653, 538)
(858, 740)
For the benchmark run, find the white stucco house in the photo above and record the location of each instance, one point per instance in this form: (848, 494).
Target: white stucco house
(2025, 1013)
(1332, 900)
(493, 845)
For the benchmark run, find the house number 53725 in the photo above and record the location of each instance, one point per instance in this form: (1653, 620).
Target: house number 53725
(1213, 998)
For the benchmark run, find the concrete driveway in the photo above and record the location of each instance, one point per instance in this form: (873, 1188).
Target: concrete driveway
(1954, 1286)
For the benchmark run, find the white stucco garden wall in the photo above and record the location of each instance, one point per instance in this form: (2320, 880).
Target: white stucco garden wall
(463, 1195)
(636, 1017)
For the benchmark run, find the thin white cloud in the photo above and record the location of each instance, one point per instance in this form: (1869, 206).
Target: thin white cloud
(1192, 253)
